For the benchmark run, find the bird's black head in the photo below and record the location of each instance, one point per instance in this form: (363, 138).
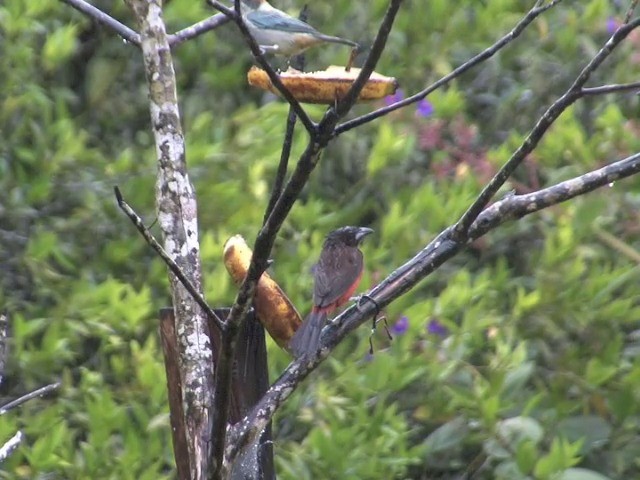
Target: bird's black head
(350, 236)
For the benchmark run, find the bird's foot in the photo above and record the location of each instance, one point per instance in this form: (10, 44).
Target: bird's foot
(376, 319)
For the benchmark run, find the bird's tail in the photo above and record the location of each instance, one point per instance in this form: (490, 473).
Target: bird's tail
(343, 41)
(307, 337)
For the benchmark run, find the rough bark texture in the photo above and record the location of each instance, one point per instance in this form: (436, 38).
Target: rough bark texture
(177, 218)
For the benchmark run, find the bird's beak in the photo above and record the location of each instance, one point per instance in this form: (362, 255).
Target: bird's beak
(363, 232)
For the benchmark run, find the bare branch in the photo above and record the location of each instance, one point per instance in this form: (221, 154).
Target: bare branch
(264, 64)
(481, 57)
(298, 63)
(106, 20)
(614, 88)
(629, 14)
(517, 206)
(29, 396)
(437, 252)
(281, 173)
(198, 29)
(553, 112)
(11, 445)
(171, 264)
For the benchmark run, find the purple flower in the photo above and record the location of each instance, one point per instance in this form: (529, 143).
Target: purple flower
(401, 326)
(395, 98)
(434, 327)
(424, 108)
(612, 25)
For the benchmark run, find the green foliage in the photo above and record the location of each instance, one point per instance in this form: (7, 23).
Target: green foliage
(520, 360)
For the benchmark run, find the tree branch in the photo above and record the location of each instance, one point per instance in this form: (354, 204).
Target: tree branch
(481, 57)
(517, 206)
(298, 63)
(198, 29)
(131, 36)
(553, 112)
(281, 173)
(106, 20)
(632, 6)
(614, 88)
(177, 217)
(29, 396)
(169, 262)
(11, 445)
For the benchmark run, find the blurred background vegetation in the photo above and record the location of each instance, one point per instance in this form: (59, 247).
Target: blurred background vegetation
(517, 359)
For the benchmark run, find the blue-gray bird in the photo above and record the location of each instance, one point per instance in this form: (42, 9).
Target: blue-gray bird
(281, 34)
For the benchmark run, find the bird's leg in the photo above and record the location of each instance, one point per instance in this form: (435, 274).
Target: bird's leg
(373, 330)
(376, 318)
(352, 57)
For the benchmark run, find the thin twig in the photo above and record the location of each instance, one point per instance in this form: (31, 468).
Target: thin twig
(281, 173)
(629, 14)
(613, 88)
(29, 396)
(484, 55)
(264, 64)
(542, 125)
(298, 63)
(198, 29)
(173, 266)
(99, 16)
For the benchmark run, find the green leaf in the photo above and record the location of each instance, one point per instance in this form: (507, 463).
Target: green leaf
(597, 372)
(562, 455)
(526, 455)
(594, 431)
(60, 44)
(446, 437)
(517, 378)
(510, 433)
(391, 147)
(581, 474)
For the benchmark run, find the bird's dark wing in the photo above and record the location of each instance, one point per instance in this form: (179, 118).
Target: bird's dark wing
(265, 19)
(335, 273)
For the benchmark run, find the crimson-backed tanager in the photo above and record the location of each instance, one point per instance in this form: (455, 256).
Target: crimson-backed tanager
(336, 277)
